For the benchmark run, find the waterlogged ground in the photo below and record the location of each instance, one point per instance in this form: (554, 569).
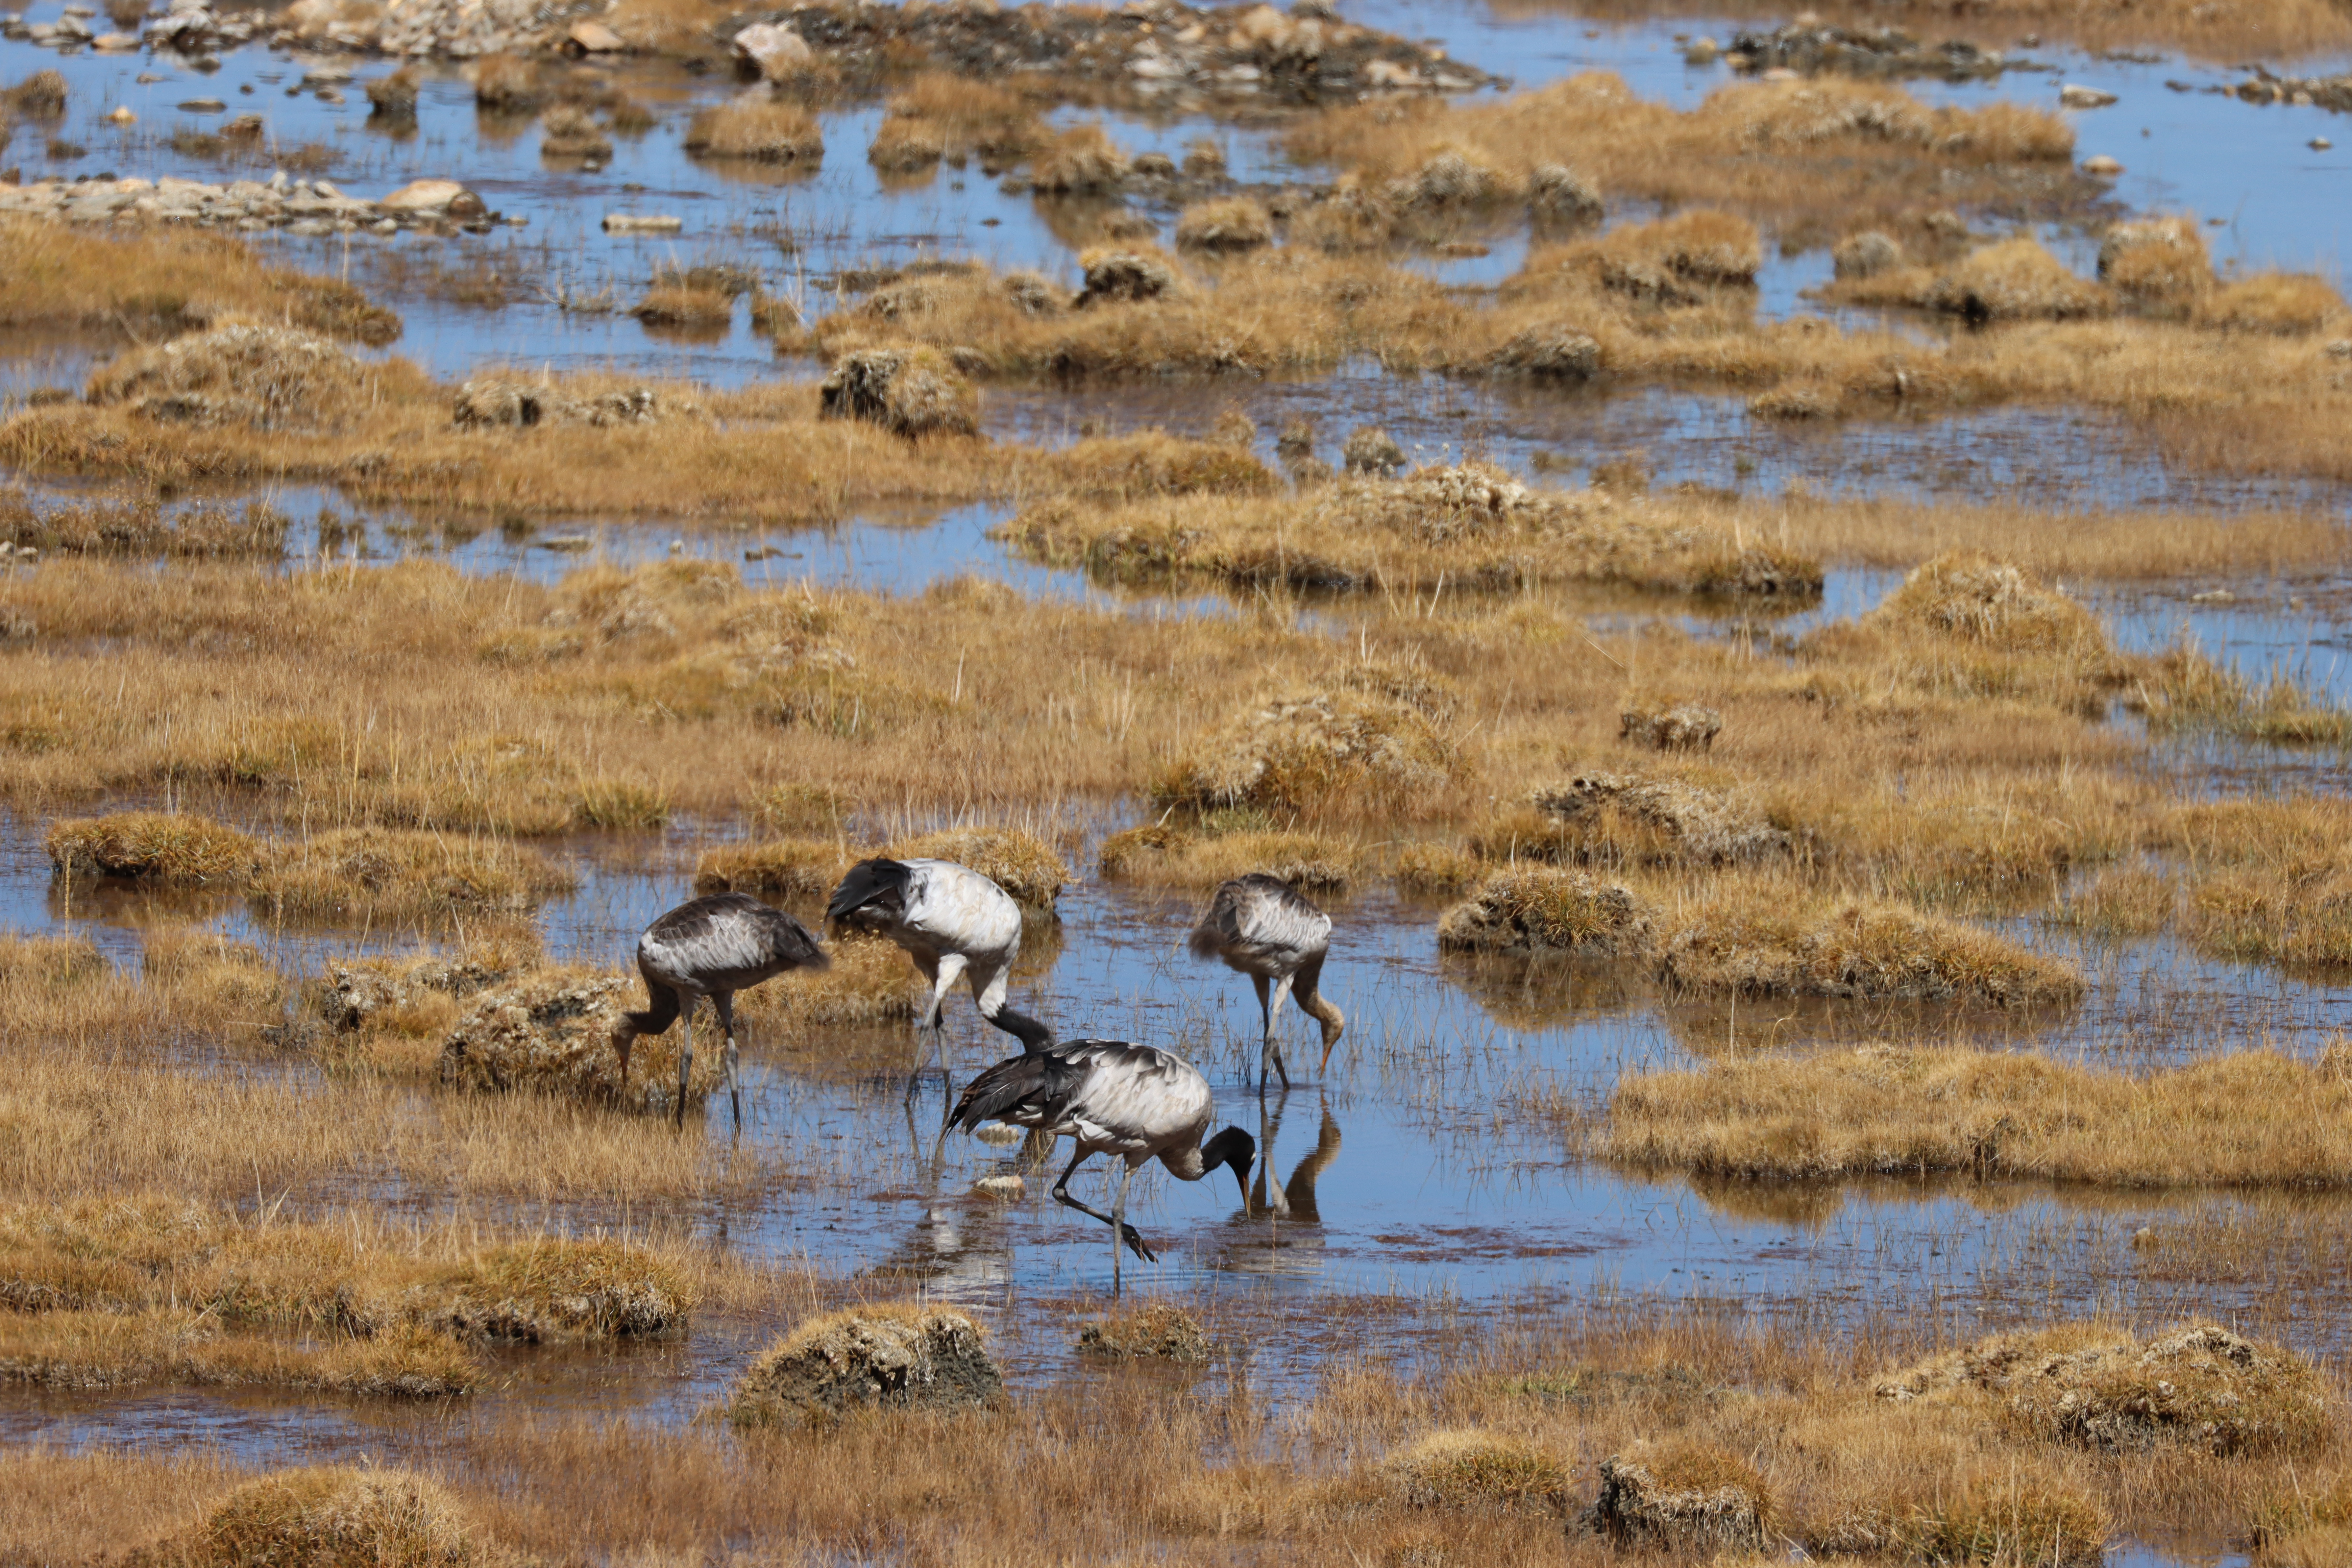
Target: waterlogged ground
(1431, 1178)
(1441, 1188)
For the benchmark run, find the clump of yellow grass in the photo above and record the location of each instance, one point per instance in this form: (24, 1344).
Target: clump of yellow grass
(1892, 1111)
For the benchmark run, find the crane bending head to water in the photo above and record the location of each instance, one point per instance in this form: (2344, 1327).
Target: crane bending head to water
(1261, 926)
(954, 923)
(712, 947)
(1138, 1102)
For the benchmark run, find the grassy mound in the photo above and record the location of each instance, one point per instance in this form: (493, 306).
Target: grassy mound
(1887, 1110)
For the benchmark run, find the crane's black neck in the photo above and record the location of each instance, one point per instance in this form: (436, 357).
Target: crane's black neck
(1033, 1035)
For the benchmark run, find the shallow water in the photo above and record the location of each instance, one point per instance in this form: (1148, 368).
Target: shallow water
(1441, 1180)
(1445, 1192)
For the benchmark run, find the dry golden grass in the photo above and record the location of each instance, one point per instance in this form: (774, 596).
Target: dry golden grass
(145, 1289)
(338, 1517)
(764, 129)
(1472, 526)
(361, 875)
(1164, 855)
(2233, 33)
(1967, 1468)
(1759, 937)
(1890, 1110)
(1798, 156)
(160, 280)
(939, 115)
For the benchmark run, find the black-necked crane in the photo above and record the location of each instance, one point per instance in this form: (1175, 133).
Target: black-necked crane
(713, 947)
(955, 924)
(1137, 1102)
(1261, 926)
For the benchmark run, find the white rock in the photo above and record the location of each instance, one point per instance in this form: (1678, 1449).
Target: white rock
(778, 51)
(2102, 166)
(418, 197)
(631, 223)
(2075, 95)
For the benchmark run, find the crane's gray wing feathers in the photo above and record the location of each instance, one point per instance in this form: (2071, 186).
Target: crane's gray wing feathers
(727, 941)
(1264, 918)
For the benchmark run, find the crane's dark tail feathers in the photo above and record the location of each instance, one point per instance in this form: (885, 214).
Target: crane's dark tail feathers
(1035, 1083)
(1203, 941)
(869, 883)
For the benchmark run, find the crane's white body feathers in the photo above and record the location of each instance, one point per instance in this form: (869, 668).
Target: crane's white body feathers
(953, 922)
(1136, 1101)
(953, 908)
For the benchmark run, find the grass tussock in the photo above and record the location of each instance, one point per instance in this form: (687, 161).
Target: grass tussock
(145, 1291)
(1471, 525)
(1789, 152)
(801, 869)
(166, 280)
(165, 849)
(333, 1516)
(901, 1356)
(939, 115)
(757, 128)
(1164, 855)
(346, 874)
(1533, 911)
(1320, 750)
(2198, 1386)
(1884, 1110)
(1756, 938)
(145, 528)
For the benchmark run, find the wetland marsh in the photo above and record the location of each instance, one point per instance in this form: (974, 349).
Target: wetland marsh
(1792, 616)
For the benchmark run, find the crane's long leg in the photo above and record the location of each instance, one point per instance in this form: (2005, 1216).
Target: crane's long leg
(1265, 1027)
(1119, 1228)
(1118, 1224)
(942, 972)
(1274, 1047)
(685, 1058)
(723, 1002)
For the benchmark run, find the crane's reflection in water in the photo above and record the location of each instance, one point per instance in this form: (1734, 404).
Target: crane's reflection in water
(1282, 1231)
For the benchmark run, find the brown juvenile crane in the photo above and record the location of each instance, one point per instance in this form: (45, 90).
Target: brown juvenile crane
(1261, 926)
(713, 947)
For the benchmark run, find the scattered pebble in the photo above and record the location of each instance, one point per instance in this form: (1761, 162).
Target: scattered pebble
(627, 222)
(2320, 143)
(2076, 96)
(122, 117)
(2102, 166)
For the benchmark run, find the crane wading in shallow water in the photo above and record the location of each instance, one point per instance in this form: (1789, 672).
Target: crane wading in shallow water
(1111, 1098)
(1261, 926)
(953, 922)
(712, 947)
